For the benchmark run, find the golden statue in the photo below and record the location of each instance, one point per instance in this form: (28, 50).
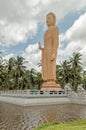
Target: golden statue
(49, 53)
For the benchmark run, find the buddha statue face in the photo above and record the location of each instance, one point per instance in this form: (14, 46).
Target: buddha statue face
(50, 19)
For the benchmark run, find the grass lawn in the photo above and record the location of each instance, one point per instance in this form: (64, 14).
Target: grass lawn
(73, 125)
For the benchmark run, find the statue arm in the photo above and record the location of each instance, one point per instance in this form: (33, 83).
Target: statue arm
(40, 47)
(55, 42)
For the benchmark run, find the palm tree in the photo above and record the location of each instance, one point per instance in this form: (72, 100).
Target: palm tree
(70, 71)
(19, 71)
(10, 73)
(58, 74)
(63, 73)
(3, 73)
(75, 60)
(32, 77)
(38, 80)
(84, 79)
(26, 80)
(76, 70)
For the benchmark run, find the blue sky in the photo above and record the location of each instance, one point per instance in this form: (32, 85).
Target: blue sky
(22, 26)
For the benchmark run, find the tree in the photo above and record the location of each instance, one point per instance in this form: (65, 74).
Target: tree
(10, 67)
(63, 73)
(76, 70)
(84, 79)
(38, 80)
(19, 71)
(13, 74)
(3, 73)
(70, 71)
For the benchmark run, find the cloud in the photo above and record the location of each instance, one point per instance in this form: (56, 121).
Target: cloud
(19, 19)
(15, 33)
(75, 37)
(33, 56)
(7, 57)
(83, 52)
(78, 30)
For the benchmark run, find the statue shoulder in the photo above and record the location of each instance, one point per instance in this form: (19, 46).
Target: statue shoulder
(55, 30)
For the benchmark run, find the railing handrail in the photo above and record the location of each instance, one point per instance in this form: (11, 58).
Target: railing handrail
(32, 92)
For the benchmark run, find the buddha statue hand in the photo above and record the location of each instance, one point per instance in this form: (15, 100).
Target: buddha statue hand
(52, 57)
(39, 46)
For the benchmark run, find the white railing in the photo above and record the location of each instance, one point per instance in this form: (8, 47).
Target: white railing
(32, 93)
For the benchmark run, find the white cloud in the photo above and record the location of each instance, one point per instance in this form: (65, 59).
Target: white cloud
(33, 56)
(7, 57)
(15, 32)
(76, 38)
(83, 52)
(19, 18)
(78, 31)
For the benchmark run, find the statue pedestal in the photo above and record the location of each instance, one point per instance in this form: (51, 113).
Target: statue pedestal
(50, 85)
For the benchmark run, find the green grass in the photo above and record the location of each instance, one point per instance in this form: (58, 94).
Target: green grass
(73, 125)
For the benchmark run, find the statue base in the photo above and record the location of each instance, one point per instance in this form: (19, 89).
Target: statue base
(50, 85)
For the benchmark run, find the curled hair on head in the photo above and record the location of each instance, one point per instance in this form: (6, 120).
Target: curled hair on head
(51, 13)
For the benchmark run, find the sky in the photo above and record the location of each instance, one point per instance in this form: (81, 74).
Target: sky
(23, 23)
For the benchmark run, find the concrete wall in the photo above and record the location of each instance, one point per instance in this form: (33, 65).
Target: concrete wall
(28, 98)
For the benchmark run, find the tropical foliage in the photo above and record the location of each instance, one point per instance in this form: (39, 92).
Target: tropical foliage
(14, 74)
(71, 71)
